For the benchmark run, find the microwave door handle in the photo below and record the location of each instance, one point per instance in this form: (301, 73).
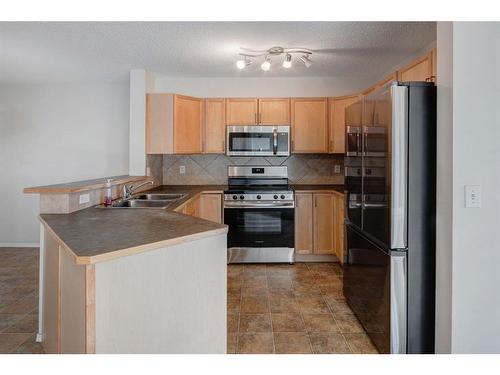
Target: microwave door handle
(275, 141)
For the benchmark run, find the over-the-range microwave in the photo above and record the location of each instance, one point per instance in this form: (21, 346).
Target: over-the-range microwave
(255, 140)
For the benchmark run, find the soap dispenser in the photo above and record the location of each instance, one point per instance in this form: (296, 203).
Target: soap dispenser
(108, 198)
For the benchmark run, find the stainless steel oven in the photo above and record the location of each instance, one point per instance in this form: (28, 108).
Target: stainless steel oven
(265, 140)
(259, 211)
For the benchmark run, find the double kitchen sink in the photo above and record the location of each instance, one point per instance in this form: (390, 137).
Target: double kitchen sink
(153, 200)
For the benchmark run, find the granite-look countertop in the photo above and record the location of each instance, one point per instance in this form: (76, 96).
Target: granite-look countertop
(98, 234)
(318, 188)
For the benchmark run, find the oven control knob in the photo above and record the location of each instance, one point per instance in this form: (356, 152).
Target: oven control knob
(242, 197)
(282, 196)
(275, 197)
(258, 196)
(235, 197)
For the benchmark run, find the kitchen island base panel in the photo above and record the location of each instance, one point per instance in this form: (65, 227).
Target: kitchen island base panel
(170, 300)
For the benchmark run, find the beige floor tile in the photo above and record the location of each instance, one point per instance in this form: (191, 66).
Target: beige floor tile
(231, 343)
(328, 343)
(348, 323)
(360, 343)
(252, 323)
(254, 305)
(281, 305)
(233, 304)
(9, 342)
(6, 320)
(257, 343)
(287, 322)
(22, 306)
(292, 343)
(313, 305)
(338, 306)
(27, 324)
(320, 323)
(232, 322)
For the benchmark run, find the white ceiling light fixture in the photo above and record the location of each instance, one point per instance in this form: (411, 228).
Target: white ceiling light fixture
(266, 65)
(306, 60)
(287, 63)
(243, 62)
(288, 53)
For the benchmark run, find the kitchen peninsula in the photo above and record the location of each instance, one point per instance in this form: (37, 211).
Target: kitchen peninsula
(120, 280)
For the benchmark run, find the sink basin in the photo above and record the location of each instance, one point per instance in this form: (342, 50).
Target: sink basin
(138, 203)
(160, 196)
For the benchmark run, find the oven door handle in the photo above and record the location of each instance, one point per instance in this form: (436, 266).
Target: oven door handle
(275, 141)
(258, 205)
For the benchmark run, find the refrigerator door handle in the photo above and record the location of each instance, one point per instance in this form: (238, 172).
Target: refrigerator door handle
(399, 173)
(398, 298)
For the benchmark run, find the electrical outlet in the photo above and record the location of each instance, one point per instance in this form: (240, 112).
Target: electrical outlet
(472, 196)
(84, 198)
(336, 169)
(182, 169)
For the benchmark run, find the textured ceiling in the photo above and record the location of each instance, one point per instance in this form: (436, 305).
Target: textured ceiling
(48, 51)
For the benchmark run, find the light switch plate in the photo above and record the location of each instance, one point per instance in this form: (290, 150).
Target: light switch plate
(336, 169)
(472, 196)
(182, 169)
(84, 198)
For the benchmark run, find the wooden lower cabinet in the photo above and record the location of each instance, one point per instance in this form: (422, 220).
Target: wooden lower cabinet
(210, 207)
(206, 206)
(303, 223)
(324, 223)
(319, 223)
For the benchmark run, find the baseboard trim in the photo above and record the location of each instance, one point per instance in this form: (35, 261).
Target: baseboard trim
(22, 244)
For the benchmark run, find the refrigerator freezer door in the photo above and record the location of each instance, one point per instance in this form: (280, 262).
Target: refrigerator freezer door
(398, 302)
(399, 166)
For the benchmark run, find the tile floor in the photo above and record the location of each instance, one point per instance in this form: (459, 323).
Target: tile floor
(291, 309)
(271, 308)
(19, 300)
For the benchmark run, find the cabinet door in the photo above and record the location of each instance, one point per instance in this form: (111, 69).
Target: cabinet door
(188, 125)
(337, 122)
(339, 227)
(274, 111)
(159, 124)
(241, 111)
(215, 119)
(324, 223)
(303, 223)
(309, 125)
(418, 70)
(210, 207)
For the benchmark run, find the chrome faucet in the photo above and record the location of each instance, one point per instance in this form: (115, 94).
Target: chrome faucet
(129, 189)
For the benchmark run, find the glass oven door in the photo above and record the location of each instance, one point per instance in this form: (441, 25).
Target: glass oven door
(259, 227)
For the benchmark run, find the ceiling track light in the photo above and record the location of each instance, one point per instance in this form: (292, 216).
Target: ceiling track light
(287, 63)
(266, 65)
(306, 60)
(247, 56)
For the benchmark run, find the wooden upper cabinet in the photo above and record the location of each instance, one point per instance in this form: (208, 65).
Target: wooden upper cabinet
(324, 223)
(418, 70)
(390, 78)
(174, 124)
(309, 125)
(337, 122)
(215, 126)
(188, 125)
(274, 111)
(303, 223)
(241, 111)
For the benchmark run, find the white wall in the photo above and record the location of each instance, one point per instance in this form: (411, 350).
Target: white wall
(262, 87)
(56, 133)
(469, 155)
(476, 160)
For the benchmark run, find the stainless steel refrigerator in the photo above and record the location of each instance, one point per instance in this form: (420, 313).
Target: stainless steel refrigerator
(390, 179)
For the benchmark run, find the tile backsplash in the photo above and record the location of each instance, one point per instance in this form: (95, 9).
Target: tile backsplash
(210, 169)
